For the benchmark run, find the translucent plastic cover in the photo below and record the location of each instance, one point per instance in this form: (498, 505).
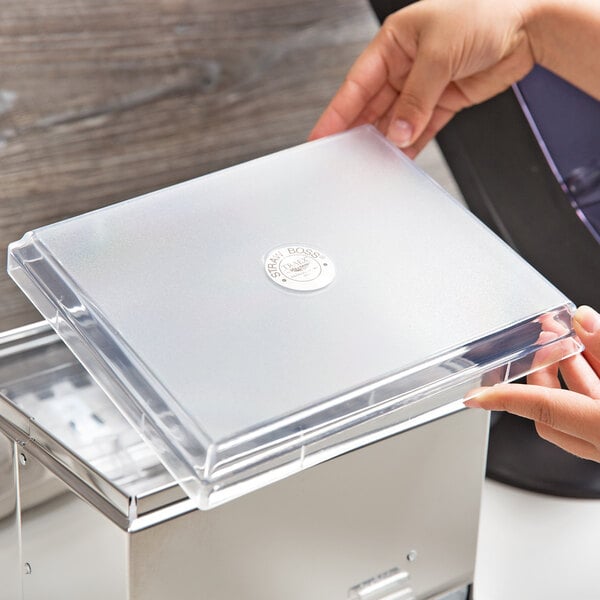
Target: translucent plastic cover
(265, 318)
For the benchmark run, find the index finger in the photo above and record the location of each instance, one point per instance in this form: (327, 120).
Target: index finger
(363, 82)
(563, 410)
(369, 74)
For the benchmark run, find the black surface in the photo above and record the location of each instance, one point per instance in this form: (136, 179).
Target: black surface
(519, 457)
(383, 8)
(568, 119)
(508, 183)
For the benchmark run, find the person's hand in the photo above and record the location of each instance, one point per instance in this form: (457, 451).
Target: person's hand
(429, 61)
(568, 418)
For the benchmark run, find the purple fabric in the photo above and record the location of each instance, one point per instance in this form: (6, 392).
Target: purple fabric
(566, 122)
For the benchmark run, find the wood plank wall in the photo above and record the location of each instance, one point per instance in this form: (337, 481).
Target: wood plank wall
(101, 100)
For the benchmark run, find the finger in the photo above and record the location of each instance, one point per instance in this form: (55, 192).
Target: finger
(384, 122)
(350, 100)
(586, 322)
(439, 119)
(551, 322)
(572, 444)
(451, 101)
(580, 377)
(576, 371)
(592, 361)
(563, 410)
(364, 81)
(453, 98)
(427, 80)
(489, 82)
(545, 362)
(546, 377)
(377, 107)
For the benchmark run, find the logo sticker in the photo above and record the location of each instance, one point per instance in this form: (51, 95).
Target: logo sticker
(300, 268)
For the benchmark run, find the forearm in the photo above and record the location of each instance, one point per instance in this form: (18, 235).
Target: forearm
(565, 38)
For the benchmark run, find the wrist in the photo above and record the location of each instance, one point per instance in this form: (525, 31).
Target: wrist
(535, 14)
(552, 24)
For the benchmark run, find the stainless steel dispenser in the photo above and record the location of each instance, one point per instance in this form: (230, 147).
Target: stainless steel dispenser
(290, 341)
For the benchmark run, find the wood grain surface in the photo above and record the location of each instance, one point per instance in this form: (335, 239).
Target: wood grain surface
(101, 100)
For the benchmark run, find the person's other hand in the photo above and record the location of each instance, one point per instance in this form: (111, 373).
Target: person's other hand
(568, 418)
(427, 62)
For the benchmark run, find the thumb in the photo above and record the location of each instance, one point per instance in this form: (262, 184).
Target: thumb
(586, 323)
(420, 94)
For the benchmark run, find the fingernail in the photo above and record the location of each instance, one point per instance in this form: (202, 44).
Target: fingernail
(472, 403)
(400, 132)
(588, 318)
(473, 397)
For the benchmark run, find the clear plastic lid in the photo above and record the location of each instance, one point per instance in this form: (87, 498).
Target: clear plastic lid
(271, 316)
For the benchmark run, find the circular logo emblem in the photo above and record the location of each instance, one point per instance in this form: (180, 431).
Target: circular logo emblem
(300, 268)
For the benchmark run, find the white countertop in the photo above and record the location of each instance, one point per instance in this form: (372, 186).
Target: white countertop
(534, 547)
